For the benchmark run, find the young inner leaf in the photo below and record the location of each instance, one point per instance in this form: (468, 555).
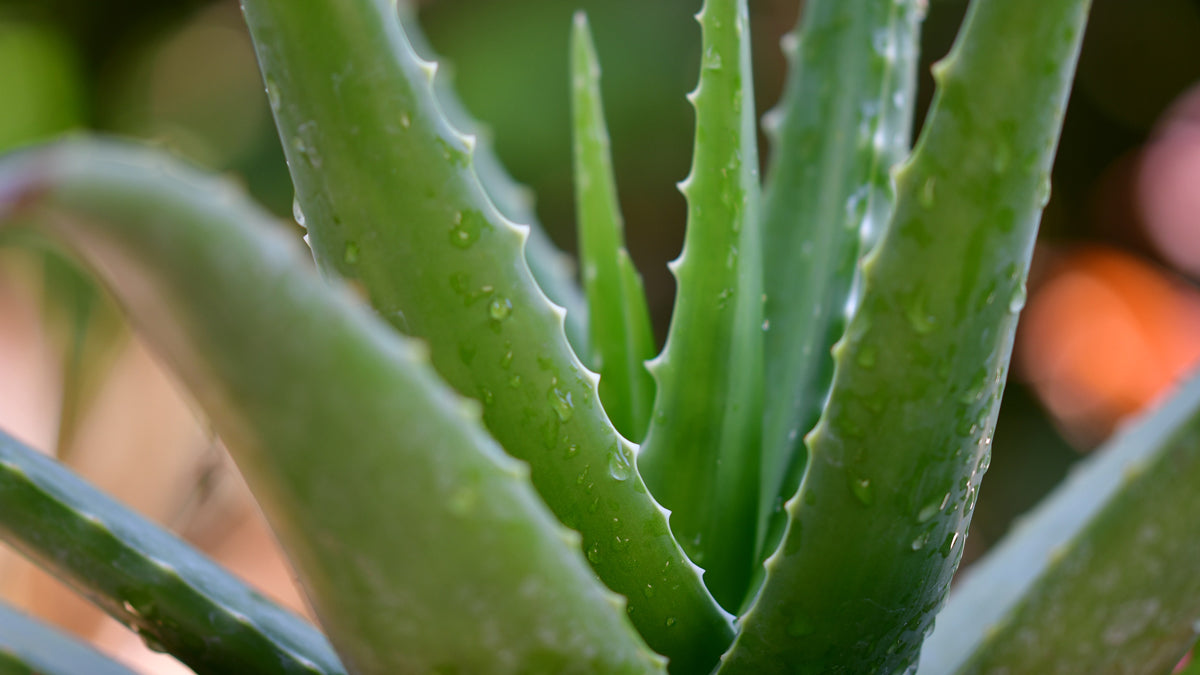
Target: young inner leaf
(619, 320)
(701, 456)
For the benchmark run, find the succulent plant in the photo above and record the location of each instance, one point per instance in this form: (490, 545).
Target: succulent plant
(470, 479)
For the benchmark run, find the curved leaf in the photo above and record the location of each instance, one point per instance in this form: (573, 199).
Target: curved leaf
(389, 193)
(420, 543)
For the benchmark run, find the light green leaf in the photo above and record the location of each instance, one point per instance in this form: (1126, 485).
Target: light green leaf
(421, 545)
(878, 525)
(553, 269)
(701, 456)
(621, 336)
(390, 196)
(844, 121)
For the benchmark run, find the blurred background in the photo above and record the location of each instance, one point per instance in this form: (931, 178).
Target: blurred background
(1113, 320)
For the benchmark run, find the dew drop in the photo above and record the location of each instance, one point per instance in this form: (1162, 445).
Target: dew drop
(514, 381)
(593, 553)
(620, 466)
(723, 298)
(712, 59)
(560, 401)
(485, 396)
(1043, 190)
(861, 488)
(927, 192)
(1017, 301)
(920, 541)
(468, 226)
(405, 120)
(572, 451)
(467, 353)
(670, 621)
(350, 253)
(930, 510)
(648, 591)
(948, 544)
(272, 94)
(500, 308)
(507, 359)
(298, 214)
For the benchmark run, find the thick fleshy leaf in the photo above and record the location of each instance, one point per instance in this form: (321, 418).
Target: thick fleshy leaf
(844, 121)
(701, 456)
(390, 197)
(553, 269)
(29, 647)
(621, 337)
(877, 528)
(171, 595)
(421, 545)
(1098, 578)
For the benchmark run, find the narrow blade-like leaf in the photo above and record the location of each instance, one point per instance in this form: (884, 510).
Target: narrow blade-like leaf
(701, 456)
(161, 588)
(390, 197)
(29, 647)
(1101, 576)
(877, 528)
(421, 545)
(621, 337)
(844, 121)
(553, 269)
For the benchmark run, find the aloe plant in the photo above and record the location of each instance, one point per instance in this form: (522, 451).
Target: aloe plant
(786, 487)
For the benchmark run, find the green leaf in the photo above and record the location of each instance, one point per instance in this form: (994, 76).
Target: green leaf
(29, 647)
(553, 269)
(390, 197)
(173, 597)
(877, 528)
(621, 336)
(701, 456)
(420, 543)
(844, 121)
(1107, 559)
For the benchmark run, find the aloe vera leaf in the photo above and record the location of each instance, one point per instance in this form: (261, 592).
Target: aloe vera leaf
(30, 647)
(388, 191)
(621, 337)
(420, 543)
(1099, 577)
(173, 597)
(553, 269)
(844, 121)
(877, 527)
(701, 455)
